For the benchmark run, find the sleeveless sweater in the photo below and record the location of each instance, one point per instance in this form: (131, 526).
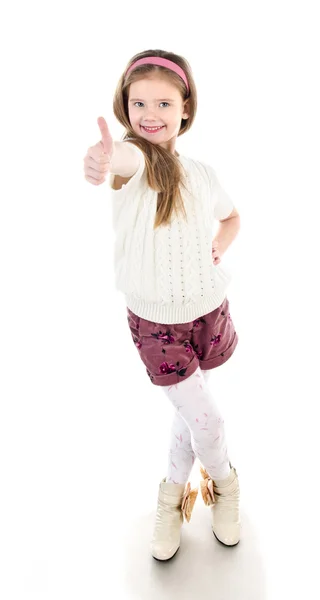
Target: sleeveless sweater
(167, 274)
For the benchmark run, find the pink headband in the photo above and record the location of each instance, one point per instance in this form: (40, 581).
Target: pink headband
(161, 62)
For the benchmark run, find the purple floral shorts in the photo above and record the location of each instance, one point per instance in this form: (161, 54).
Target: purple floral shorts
(171, 353)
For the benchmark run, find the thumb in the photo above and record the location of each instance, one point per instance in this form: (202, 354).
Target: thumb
(107, 141)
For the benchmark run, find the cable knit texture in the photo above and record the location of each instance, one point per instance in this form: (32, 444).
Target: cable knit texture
(167, 274)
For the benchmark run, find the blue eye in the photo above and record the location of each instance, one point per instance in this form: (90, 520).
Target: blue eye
(160, 103)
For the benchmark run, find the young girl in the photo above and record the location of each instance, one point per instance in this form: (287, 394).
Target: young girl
(167, 265)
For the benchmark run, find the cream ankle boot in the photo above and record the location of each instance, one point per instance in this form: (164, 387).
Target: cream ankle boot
(175, 503)
(223, 496)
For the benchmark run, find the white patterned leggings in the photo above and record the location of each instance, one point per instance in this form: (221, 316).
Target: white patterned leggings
(197, 430)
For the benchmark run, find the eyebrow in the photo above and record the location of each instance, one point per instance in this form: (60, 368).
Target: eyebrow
(157, 100)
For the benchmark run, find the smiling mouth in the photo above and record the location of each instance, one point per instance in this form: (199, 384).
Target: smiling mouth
(152, 129)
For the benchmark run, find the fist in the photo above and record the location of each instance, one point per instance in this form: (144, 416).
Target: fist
(98, 157)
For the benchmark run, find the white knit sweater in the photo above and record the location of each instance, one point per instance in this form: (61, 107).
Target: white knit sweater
(167, 274)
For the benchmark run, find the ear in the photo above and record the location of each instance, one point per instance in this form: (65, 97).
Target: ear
(186, 113)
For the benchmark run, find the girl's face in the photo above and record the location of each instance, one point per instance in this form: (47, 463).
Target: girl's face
(155, 102)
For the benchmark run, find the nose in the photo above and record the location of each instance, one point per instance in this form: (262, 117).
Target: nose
(150, 118)
(150, 114)
(151, 121)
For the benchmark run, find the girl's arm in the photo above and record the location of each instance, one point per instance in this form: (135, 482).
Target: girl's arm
(227, 231)
(125, 159)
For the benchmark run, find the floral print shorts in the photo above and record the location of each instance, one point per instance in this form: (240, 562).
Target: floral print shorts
(171, 353)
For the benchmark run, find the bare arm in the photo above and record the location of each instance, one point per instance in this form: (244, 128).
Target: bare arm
(227, 231)
(125, 160)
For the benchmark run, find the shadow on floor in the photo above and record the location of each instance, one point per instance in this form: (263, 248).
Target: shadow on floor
(202, 569)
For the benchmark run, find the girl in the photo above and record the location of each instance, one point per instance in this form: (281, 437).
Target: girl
(166, 264)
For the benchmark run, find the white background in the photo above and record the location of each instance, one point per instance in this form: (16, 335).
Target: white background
(84, 434)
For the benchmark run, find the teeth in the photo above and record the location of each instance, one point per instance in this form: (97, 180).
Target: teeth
(152, 128)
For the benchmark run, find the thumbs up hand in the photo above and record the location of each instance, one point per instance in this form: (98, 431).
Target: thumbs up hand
(98, 157)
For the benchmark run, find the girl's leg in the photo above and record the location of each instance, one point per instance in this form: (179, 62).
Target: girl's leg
(195, 404)
(181, 456)
(206, 375)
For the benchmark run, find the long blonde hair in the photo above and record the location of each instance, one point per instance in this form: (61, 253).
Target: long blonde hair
(163, 168)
